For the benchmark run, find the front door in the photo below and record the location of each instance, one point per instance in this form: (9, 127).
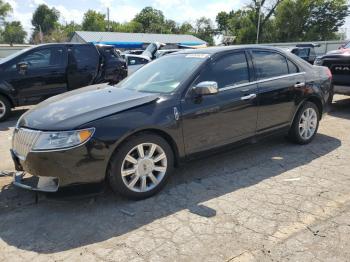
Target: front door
(230, 115)
(44, 76)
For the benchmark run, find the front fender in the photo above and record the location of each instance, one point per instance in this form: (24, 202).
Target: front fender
(112, 131)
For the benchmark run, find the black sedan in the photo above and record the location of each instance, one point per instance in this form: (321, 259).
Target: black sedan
(134, 134)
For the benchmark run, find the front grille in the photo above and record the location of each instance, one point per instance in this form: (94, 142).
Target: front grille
(23, 140)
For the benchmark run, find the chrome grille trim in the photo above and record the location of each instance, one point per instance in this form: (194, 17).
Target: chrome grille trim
(23, 141)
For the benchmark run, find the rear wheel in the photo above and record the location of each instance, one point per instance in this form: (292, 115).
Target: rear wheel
(5, 108)
(141, 166)
(305, 124)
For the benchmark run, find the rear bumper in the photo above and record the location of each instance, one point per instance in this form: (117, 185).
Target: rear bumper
(342, 89)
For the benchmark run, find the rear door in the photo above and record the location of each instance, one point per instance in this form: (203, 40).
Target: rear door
(84, 63)
(280, 84)
(45, 75)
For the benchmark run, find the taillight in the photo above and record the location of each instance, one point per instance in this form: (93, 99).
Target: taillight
(329, 73)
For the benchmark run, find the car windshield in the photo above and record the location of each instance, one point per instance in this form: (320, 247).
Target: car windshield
(165, 74)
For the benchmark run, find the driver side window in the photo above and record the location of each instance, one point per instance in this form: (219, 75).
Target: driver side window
(38, 59)
(42, 58)
(227, 71)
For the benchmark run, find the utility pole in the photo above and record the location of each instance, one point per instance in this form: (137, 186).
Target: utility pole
(258, 26)
(108, 26)
(41, 35)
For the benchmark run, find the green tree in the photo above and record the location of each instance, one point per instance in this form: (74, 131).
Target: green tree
(239, 24)
(151, 20)
(14, 33)
(94, 21)
(5, 9)
(310, 20)
(128, 27)
(170, 27)
(186, 28)
(243, 23)
(204, 30)
(69, 29)
(45, 18)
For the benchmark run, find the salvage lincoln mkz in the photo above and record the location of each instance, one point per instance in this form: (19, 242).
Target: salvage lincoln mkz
(133, 134)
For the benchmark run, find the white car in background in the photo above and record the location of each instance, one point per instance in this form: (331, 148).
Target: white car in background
(135, 62)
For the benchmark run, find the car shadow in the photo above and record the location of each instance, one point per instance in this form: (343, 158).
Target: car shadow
(57, 225)
(12, 120)
(341, 108)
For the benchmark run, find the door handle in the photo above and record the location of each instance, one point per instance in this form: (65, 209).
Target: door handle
(299, 85)
(248, 97)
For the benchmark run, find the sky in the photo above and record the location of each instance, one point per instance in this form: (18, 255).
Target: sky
(125, 10)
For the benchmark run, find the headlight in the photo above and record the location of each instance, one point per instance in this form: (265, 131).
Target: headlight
(318, 62)
(62, 140)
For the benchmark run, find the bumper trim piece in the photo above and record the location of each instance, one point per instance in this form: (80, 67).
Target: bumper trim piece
(342, 89)
(33, 183)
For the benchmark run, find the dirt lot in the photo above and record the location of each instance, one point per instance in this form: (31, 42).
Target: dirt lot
(272, 201)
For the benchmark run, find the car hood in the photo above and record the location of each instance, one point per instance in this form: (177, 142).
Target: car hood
(73, 109)
(340, 52)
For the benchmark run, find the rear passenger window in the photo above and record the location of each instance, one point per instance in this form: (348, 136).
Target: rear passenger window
(269, 64)
(292, 67)
(86, 57)
(228, 71)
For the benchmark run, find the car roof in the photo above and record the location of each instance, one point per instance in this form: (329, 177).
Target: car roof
(216, 50)
(60, 44)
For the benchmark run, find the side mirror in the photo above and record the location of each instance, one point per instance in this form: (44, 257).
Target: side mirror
(22, 67)
(132, 62)
(206, 88)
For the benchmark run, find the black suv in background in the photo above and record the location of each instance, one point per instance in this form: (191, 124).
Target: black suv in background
(35, 74)
(339, 63)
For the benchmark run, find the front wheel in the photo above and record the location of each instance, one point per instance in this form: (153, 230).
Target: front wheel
(305, 124)
(141, 166)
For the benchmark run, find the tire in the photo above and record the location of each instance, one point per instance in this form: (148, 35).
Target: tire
(299, 132)
(5, 108)
(149, 181)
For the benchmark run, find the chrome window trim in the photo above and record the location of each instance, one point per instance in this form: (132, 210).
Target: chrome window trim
(259, 81)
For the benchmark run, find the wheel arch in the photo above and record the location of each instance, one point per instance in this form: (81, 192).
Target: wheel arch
(313, 99)
(12, 103)
(317, 101)
(166, 136)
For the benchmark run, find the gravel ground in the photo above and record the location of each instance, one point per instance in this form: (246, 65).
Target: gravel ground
(271, 201)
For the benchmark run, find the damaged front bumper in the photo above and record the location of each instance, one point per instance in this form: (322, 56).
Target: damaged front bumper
(35, 183)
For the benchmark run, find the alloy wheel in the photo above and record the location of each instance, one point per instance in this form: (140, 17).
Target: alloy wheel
(2, 109)
(308, 123)
(144, 167)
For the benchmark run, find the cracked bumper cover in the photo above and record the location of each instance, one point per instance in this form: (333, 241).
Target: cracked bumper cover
(35, 183)
(52, 170)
